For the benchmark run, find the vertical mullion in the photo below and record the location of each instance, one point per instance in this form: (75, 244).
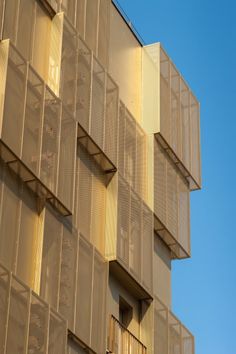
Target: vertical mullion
(47, 325)
(28, 321)
(8, 311)
(104, 112)
(85, 19)
(91, 305)
(17, 22)
(3, 15)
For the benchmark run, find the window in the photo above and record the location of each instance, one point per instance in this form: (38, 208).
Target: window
(125, 312)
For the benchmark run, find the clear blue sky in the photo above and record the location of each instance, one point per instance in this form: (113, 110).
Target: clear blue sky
(200, 37)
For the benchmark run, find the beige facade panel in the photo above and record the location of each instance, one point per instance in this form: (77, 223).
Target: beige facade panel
(28, 324)
(134, 235)
(125, 62)
(36, 35)
(175, 121)
(74, 281)
(132, 152)
(171, 204)
(170, 334)
(36, 128)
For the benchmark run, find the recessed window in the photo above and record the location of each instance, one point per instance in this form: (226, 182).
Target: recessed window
(125, 312)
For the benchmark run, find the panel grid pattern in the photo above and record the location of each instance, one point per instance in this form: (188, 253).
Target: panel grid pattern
(28, 324)
(171, 335)
(179, 121)
(134, 234)
(171, 204)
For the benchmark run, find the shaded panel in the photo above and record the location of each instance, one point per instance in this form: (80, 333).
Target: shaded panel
(80, 17)
(13, 114)
(185, 120)
(147, 247)
(135, 236)
(121, 143)
(84, 291)
(51, 259)
(91, 31)
(68, 275)
(130, 150)
(160, 330)
(49, 154)
(171, 199)
(10, 20)
(83, 97)
(67, 159)
(69, 7)
(174, 335)
(99, 304)
(195, 139)
(18, 318)
(25, 28)
(175, 126)
(57, 334)
(165, 112)
(98, 104)
(159, 183)
(4, 296)
(103, 32)
(33, 119)
(38, 326)
(68, 67)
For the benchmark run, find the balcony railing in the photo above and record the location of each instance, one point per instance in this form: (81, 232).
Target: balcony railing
(121, 340)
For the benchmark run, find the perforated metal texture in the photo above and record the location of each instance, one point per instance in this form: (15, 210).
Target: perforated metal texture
(179, 121)
(134, 234)
(171, 200)
(66, 173)
(98, 104)
(69, 7)
(33, 121)
(74, 348)
(103, 31)
(68, 80)
(111, 119)
(57, 335)
(132, 150)
(50, 140)
(174, 335)
(4, 298)
(25, 27)
(81, 17)
(83, 98)
(15, 92)
(91, 33)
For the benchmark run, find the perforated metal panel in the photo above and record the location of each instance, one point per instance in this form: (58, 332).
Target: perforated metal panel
(91, 32)
(81, 17)
(25, 27)
(69, 7)
(104, 31)
(171, 204)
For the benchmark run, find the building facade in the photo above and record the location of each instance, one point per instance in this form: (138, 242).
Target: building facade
(99, 151)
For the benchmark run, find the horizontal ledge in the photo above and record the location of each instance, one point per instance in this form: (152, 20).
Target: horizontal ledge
(95, 151)
(30, 179)
(128, 281)
(177, 250)
(72, 336)
(193, 184)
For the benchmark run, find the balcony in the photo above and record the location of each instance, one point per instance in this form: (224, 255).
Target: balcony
(171, 204)
(37, 134)
(174, 112)
(122, 341)
(130, 249)
(170, 335)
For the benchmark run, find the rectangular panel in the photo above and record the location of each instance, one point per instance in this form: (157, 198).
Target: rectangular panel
(80, 17)
(161, 331)
(185, 121)
(18, 319)
(38, 326)
(84, 291)
(141, 163)
(33, 121)
(99, 304)
(135, 236)
(29, 239)
(121, 143)
(187, 341)
(111, 119)
(103, 32)
(174, 335)
(49, 154)
(147, 247)
(10, 211)
(84, 196)
(74, 348)
(130, 150)
(175, 126)
(195, 139)
(184, 214)
(91, 32)
(26, 27)
(57, 334)
(66, 173)
(51, 259)
(98, 104)
(68, 275)
(69, 7)
(171, 199)
(15, 92)
(159, 183)
(83, 98)
(68, 67)
(4, 298)
(10, 20)
(123, 221)
(165, 112)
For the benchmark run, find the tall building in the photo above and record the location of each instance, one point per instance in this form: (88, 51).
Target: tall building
(99, 151)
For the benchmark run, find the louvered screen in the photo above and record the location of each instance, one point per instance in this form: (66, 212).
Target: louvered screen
(175, 126)
(165, 95)
(130, 150)
(147, 246)
(121, 144)
(83, 98)
(141, 162)
(49, 154)
(66, 173)
(135, 235)
(195, 139)
(171, 199)
(160, 329)
(33, 121)
(15, 92)
(185, 120)
(98, 104)
(68, 67)
(174, 335)
(111, 119)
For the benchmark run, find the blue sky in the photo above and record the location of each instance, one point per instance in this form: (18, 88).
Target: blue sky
(200, 37)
